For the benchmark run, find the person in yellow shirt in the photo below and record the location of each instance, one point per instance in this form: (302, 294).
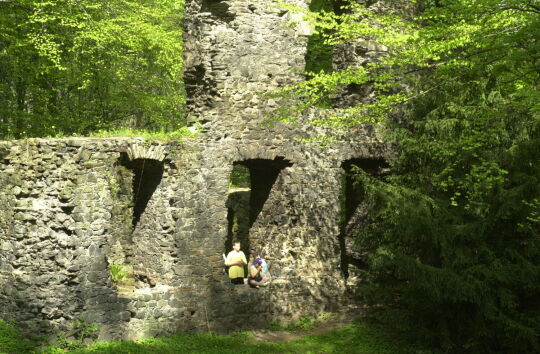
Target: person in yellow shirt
(236, 260)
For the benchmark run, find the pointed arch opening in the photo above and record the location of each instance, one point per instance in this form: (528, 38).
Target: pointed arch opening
(147, 175)
(250, 185)
(353, 209)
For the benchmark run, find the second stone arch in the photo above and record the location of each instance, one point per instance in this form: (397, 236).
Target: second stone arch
(250, 184)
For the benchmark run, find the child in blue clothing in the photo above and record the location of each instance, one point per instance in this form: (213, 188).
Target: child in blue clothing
(255, 279)
(265, 272)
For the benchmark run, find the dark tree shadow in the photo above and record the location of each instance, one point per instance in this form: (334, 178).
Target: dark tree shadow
(352, 198)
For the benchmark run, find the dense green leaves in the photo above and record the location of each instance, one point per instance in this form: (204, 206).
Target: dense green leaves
(75, 66)
(11, 340)
(319, 52)
(460, 268)
(453, 237)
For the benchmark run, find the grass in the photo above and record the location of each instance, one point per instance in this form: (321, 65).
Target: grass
(179, 134)
(358, 337)
(11, 341)
(159, 135)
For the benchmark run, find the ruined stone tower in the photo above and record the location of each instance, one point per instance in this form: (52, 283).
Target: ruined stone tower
(129, 234)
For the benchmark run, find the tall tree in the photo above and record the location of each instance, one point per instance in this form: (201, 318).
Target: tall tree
(73, 66)
(453, 237)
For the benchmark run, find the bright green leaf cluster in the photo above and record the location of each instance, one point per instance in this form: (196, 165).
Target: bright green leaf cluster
(73, 67)
(452, 239)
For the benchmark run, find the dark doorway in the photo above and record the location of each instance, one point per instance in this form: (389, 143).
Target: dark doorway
(219, 10)
(250, 185)
(238, 211)
(147, 175)
(263, 175)
(351, 199)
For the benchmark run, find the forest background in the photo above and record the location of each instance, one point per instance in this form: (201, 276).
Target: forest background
(79, 66)
(452, 239)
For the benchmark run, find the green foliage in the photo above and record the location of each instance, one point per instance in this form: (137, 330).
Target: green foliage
(117, 273)
(357, 338)
(240, 177)
(303, 323)
(355, 22)
(11, 341)
(444, 39)
(276, 326)
(64, 344)
(453, 237)
(73, 67)
(80, 334)
(319, 53)
(83, 328)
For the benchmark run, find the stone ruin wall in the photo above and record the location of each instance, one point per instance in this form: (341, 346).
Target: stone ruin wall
(69, 208)
(66, 215)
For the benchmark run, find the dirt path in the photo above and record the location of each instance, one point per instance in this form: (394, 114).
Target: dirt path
(335, 322)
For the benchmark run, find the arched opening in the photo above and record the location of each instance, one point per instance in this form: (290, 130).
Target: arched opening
(250, 184)
(219, 9)
(238, 211)
(132, 184)
(353, 210)
(147, 175)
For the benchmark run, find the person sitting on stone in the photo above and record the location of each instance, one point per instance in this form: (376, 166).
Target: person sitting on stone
(265, 273)
(236, 260)
(255, 279)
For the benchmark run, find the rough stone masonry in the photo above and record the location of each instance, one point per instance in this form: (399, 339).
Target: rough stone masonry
(129, 234)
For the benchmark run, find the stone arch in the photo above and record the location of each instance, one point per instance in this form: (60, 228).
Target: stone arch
(146, 164)
(147, 175)
(244, 205)
(218, 9)
(257, 152)
(152, 152)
